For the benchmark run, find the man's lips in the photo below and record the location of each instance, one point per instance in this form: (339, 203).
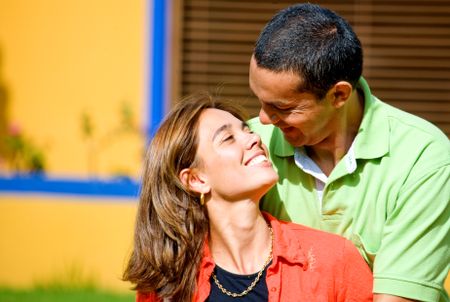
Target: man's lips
(287, 129)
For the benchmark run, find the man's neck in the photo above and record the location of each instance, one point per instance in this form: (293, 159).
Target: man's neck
(331, 150)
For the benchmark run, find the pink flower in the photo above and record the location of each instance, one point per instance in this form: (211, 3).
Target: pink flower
(14, 129)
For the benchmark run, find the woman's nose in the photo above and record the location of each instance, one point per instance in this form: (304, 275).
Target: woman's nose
(253, 140)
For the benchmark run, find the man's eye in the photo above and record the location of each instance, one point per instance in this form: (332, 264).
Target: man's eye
(283, 109)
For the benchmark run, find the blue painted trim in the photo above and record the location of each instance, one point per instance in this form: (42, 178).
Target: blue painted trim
(118, 187)
(157, 78)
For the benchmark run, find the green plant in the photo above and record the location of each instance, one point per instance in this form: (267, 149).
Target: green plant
(95, 142)
(71, 277)
(21, 153)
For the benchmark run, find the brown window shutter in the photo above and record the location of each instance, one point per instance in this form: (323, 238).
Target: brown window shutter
(406, 48)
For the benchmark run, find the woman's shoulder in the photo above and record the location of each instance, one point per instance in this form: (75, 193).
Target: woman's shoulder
(309, 237)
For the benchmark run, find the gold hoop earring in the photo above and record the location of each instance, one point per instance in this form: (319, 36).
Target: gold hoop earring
(202, 199)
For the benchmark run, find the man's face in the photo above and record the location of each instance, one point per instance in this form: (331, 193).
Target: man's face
(303, 119)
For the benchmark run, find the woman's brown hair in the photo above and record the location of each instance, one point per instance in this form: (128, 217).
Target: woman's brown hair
(171, 225)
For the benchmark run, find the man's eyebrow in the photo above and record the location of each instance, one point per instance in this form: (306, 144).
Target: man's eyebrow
(220, 130)
(278, 103)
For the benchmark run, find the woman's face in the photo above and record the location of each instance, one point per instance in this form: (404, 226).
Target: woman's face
(233, 159)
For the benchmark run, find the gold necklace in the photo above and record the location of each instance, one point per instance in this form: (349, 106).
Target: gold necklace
(253, 284)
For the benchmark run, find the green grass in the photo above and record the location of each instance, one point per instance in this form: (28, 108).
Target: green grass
(62, 295)
(72, 284)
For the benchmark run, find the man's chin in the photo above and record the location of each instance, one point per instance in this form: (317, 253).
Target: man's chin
(294, 141)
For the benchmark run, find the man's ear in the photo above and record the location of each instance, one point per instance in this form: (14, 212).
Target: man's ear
(339, 93)
(194, 180)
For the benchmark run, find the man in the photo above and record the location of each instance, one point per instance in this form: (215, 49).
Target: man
(349, 163)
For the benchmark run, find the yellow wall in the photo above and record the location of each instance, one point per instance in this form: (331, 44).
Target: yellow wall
(45, 238)
(60, 58)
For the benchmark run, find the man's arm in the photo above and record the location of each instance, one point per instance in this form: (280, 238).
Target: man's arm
(413, 259)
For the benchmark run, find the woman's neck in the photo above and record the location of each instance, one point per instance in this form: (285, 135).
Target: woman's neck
(240, 239)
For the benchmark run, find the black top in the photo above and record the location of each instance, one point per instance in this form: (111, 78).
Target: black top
(237, 284)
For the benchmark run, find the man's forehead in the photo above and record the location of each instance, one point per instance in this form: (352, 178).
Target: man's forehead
(284, 81)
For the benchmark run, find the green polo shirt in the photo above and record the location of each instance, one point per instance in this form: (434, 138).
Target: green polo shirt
(394, 207)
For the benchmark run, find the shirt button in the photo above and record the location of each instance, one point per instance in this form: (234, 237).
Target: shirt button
(274, 289)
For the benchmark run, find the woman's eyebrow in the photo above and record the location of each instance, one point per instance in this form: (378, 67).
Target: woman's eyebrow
(220, 130)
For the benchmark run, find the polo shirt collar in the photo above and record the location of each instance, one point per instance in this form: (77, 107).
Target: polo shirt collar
(281, 146)
(206, 269)
(372, 138)
(285, 246)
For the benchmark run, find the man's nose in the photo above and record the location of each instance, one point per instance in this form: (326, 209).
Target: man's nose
(264, 117)
(267, 118)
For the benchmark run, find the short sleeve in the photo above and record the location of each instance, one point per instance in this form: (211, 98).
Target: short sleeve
(414, 256)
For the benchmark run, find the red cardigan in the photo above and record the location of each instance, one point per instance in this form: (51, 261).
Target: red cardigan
(307, 265)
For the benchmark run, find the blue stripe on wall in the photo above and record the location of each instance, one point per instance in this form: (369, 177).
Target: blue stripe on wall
(157, 84)
(119, 187)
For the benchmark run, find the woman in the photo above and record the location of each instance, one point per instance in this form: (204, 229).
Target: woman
(200, 235)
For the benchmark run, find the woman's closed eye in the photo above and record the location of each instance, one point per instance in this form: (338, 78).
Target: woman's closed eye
(247, 129)
(228, 138)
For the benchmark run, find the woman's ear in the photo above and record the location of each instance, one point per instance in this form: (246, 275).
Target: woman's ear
(194, 180)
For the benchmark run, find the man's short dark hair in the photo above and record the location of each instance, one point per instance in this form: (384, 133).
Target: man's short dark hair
(314, 43)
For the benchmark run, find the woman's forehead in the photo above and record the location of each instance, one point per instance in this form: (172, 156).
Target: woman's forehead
(217, 117)
(213, 120)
